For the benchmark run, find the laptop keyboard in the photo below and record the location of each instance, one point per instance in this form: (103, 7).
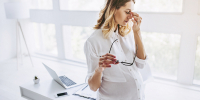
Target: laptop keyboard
(66, 81)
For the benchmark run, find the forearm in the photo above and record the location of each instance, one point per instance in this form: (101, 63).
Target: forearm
(95, 80)
(138, 41)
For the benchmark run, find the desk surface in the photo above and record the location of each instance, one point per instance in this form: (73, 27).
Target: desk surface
(47, 87)
(46, 90)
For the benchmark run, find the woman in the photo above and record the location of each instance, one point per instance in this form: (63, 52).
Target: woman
(114, 52)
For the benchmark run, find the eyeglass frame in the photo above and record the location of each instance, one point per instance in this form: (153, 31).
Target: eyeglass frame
(125, 63)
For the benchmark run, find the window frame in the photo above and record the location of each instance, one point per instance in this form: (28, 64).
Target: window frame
(181, 75)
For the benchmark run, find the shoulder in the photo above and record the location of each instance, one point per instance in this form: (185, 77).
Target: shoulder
(95, 41)
(95, 37)
(97, 34)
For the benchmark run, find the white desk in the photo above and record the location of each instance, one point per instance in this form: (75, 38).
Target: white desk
(46, 90)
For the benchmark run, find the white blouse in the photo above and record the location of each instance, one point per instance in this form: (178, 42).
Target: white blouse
(118, 82)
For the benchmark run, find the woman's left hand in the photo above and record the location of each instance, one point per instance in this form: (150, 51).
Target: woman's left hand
(136, 19)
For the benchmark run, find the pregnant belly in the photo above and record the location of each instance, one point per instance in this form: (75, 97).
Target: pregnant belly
(119, 90)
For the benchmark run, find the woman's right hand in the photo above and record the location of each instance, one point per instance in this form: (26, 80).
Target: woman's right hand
(105, 61)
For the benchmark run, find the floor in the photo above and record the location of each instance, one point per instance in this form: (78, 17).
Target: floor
(11, 77)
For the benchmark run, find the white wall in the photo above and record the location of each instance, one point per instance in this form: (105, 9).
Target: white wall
(7, 35)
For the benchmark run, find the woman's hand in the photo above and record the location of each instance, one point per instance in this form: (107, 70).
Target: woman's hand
(105, 61)
(136, 19)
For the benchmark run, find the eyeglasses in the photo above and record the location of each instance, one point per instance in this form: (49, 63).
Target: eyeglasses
(125, 63)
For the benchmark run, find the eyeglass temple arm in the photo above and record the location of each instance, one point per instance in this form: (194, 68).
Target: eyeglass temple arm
(126, 64)
(112, 45)
(129, 64)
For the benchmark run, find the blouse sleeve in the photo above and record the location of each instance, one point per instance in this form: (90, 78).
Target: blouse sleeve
(140, 63)
(92, 59)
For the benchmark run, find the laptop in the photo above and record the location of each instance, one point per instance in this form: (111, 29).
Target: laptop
(62, 80)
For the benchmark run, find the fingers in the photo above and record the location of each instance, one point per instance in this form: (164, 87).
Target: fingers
(109, 61)
(135, 14)
(136, 17)
(107, 57)
(134, 22)
(102, 64)
(106, 60)
(108, 54)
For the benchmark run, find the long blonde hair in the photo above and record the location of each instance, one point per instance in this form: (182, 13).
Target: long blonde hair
(107, 21)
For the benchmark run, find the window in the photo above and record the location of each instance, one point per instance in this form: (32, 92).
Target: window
(197, 65)
(140, 5)
(85, 5)
(158, 5)
(74, 39)
(45, 37)
(163, 52)
(42, 4)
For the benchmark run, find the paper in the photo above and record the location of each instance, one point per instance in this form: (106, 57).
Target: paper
(86, 93)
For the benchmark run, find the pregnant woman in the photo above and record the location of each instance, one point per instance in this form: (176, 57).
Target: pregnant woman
(115, 51)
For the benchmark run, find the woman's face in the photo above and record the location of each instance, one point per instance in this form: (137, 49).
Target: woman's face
(122, 15)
